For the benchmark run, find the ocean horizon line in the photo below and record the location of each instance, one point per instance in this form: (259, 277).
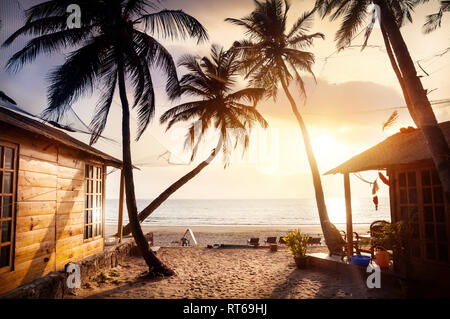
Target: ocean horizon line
(278, 198)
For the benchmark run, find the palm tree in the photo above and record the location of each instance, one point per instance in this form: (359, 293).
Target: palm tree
(392, 13)
(272, 55)
(3, 95)
(434, 20)
(115, 44)
(218, 107)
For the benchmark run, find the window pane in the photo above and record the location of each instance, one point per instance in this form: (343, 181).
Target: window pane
(429, 231)
(438, 195)
(7, 207)
(415, 230)
(90, 231)
(7, 183)
(1, 157)
(86, 171)
(6, 232)
(9, 158)
(413, 196)
(435, 177)
(413, 213)
(4, 256)
(91, 174)
(440, 214)
(415, 248)
(403, 197)
(402, 179)
(426, 180)
(412, 179)
(443, 252)
(428, 211)
(441, 233)
(404, 212)
(431, 254)
(426, 195)
(86, 232)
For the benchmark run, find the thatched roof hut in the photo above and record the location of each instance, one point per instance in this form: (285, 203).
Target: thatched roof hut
(416, 199)
(405, 147)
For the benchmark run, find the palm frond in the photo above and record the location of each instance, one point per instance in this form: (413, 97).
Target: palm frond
(174, 24)
(100, 118)
(354, 17)
(47, 44)
(302, 25)
(391, 120)
(158, 56)
(252, 95)
(434, 21)
(74, 78)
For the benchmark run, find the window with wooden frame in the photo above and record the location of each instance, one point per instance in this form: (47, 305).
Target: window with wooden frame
(8, 172)
(435, 218)
(421, 206)
(93, 209)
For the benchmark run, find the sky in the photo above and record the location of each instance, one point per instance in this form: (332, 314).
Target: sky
(354, 94)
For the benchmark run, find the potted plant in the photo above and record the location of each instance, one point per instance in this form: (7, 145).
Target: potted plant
(296, 243)
(395, 237)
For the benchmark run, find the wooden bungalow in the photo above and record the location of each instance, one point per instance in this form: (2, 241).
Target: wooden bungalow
(52, 199)
(416, 198)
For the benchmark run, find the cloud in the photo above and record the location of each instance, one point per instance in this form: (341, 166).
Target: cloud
(345, 103)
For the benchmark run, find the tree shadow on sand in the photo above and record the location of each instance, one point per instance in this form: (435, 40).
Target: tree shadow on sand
(319, 284)
(132, 284)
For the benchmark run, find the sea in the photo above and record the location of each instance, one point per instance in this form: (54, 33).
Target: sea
(252, 212)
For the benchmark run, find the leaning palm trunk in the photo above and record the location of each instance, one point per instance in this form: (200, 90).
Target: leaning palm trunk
(172, 189)
(333, 239)
(394, 65)
(419, 107)
(154, 264)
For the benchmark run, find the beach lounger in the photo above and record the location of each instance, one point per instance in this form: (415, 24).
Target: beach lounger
(271, 240)
(314, 241)
(253, 242)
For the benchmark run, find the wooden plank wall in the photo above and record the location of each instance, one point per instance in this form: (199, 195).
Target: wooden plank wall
(49, 214)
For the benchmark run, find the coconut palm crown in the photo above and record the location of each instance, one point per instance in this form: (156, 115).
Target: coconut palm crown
(219, 107)
(270, 42)
(112, 32)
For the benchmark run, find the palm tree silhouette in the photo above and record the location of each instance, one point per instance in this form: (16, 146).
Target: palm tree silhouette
(392, 15)
(219, 108)
(3, 95)
(274, 55)
(115, 44)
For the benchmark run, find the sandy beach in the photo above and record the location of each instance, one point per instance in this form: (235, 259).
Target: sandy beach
(225, 273)
(166, 236)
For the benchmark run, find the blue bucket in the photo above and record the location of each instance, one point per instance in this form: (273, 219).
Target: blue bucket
(360, 260)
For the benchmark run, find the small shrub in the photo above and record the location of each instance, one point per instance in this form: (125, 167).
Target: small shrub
(296, 243)
(101, 278)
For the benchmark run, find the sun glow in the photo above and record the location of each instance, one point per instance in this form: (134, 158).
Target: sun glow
(324, 145)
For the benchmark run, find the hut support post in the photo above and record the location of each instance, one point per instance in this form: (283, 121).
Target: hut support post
(121, 198)
(348, 208)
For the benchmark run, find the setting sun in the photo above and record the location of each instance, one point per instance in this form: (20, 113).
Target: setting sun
(324, 144)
